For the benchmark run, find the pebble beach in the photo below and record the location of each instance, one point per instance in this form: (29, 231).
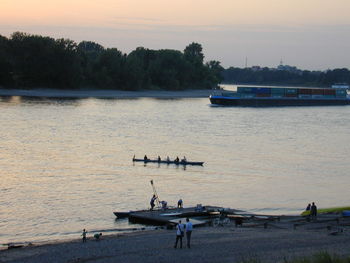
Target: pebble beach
(278, 242)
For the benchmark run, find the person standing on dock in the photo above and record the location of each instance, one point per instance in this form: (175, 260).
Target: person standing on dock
(179, 234)
(179, 203)
(153, 199)
(189, 228)
(84, 235)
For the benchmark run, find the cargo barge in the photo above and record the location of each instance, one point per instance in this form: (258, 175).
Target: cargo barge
(276, 97)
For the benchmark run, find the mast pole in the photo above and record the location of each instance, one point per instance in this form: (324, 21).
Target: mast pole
(155, 193)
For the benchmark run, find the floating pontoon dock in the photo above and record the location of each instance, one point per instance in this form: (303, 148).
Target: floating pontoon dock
(199, 215)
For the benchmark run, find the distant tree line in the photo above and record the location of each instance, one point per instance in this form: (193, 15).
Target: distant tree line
(285, 75)
(33, 61)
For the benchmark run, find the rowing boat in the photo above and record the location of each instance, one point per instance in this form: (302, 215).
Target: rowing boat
(167, 162)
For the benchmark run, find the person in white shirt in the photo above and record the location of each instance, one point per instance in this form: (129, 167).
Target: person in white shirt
(179, 233)
(189, 228)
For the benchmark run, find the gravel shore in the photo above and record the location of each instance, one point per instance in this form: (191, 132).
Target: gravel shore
(209, 244)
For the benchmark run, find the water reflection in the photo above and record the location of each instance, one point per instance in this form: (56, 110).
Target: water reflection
(6, 98)
(52, 100)
(39, 100)
(10, 99)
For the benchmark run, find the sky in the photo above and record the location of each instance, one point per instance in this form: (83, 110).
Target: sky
(308, 34)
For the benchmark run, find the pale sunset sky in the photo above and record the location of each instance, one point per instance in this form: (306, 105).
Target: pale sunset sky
(309, 34)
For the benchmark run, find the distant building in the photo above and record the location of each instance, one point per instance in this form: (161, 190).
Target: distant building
(288, 68)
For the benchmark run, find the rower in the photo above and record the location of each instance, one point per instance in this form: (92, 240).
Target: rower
(177, 159)
(184, 160)
(167, 159)
(159, 159)
(145, 158)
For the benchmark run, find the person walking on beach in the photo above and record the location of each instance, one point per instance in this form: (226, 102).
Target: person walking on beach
(189, 228)
(313, 211)
(84, 235)
(179, 234)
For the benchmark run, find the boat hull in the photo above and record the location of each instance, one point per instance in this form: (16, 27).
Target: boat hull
(121, 214)
(276, 102)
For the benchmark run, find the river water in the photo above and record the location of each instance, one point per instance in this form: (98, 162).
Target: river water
(66, 164)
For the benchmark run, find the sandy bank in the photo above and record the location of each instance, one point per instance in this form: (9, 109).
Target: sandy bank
(209, 244)
(115, 94)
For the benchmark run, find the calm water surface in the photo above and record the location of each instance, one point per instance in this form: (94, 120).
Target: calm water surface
(66, 164)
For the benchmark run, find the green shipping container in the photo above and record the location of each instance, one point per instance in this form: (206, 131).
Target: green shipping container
(279, 91)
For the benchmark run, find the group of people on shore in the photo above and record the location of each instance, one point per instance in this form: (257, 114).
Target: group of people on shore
(181, 229)
(313, 210)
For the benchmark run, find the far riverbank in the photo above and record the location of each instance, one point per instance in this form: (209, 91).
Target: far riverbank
(110, 94)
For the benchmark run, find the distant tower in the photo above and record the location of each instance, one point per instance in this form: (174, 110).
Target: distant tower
(246, 62)
(281, 62)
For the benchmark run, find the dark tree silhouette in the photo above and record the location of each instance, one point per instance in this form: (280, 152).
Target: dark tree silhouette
(33, 61)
